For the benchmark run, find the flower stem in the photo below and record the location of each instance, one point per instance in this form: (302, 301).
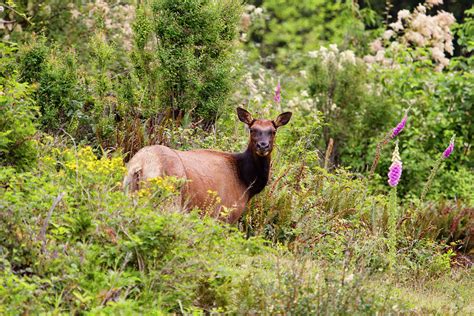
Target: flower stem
(392, 228)
(430, 178)
(380, 145)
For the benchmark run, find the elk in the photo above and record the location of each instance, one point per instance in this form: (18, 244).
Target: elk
(235, 177)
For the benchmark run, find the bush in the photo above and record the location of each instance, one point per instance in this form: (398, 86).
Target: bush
(19, 113)
(60, 94)
(351, 100)
(193, 46)
(82, 101)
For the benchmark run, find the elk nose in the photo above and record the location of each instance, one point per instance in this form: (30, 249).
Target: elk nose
(263, 146)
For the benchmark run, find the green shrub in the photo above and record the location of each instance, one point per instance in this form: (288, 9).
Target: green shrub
(193, 47)
(33, 60)
(17, 294)
(19, 113)
(60, 95)
(74, 99)
(350, 99)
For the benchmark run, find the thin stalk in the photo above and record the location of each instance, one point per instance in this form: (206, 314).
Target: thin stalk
(392, 228)
(378, 151)
(427, 186)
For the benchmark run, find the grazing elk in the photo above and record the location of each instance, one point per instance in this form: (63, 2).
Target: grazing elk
(236, 178)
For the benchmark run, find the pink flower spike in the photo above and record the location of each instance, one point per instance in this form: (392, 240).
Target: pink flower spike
(277, 97)
(395, 170)
(447, 152)
(394, 173)
(400, 126)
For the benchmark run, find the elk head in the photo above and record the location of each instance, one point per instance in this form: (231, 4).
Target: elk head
(262, 132)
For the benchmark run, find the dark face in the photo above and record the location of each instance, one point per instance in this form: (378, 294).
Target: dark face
(262, 132)
(262, 137)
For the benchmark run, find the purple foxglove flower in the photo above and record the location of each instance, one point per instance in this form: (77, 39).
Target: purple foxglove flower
(447, 152)
(400, 126)
(277, 97)
(394, 173)
(395, 170)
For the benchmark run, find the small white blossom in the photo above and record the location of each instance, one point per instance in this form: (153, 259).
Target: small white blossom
(369, 59)
(333, 47)
(395, 46)
(445, 19)
(330, 57)
(437, 54)
(432, 3)
(376, 45)
(415, 38)
(448, 46)
(258, 11)
(387, 62)
(403, 14)
(313, 54)
(396, 26)
(421, 8)
(388, 34)
(249, 7)
(258, 98)
(75, 13)
(348, 56)
(380, 56)
(349, 278)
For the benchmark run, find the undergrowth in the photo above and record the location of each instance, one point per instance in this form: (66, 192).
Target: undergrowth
(71, 241)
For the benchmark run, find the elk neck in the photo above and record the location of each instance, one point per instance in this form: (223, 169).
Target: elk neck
(253, 170)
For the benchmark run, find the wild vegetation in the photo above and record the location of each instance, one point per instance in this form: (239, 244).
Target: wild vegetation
(369, 208)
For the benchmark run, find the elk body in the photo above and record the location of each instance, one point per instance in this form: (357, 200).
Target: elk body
(235, 177)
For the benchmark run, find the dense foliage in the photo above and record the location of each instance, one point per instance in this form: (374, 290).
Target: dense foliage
(85, 85)
(73, 241)
(194, 41)
(17, 127)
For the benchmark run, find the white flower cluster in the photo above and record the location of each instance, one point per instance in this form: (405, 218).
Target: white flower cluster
(260, 84)
(257, 91)
(332, 55)
(251, 13)
(302, 101)
(118, 19)
(420, 30)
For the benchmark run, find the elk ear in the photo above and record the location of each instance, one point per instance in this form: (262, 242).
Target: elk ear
(282, 119)
(244, 116)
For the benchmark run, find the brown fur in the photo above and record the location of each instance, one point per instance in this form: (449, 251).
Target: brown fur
(234, 177)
